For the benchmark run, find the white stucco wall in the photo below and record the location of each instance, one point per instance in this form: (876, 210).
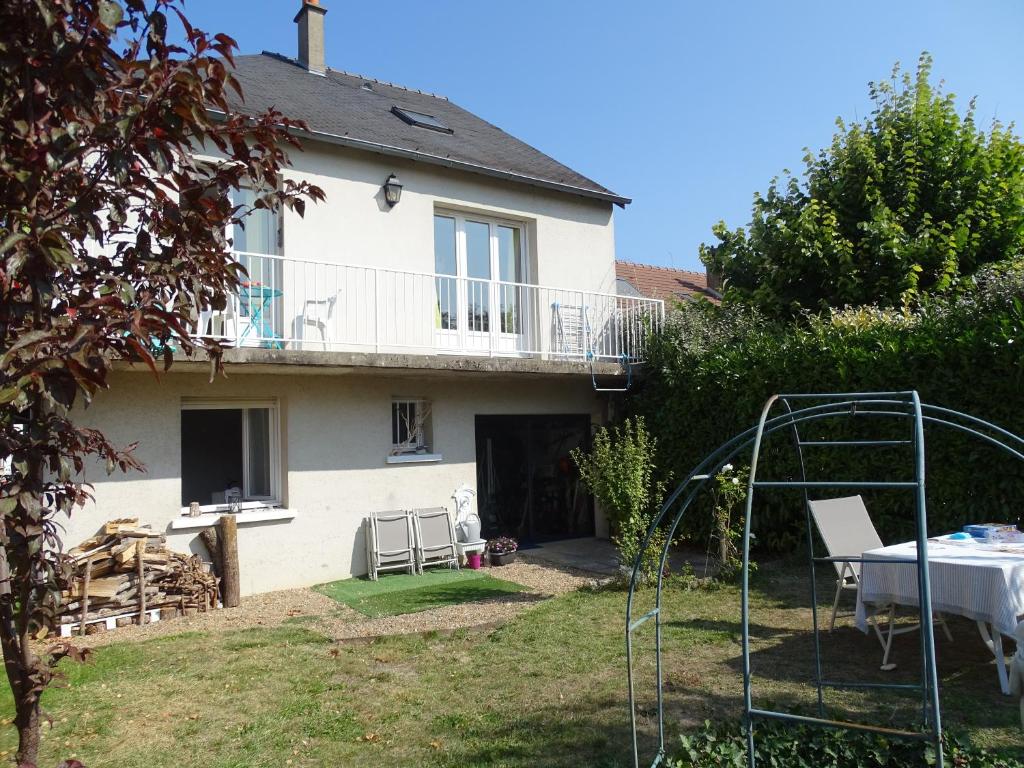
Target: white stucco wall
(571, 238)
(335, 435)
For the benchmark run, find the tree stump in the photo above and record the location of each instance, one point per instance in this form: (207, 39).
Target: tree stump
(227, 528)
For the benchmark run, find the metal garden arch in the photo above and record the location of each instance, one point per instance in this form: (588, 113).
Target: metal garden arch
(811, 408)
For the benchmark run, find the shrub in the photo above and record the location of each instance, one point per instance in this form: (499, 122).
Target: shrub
(729, 494)
(621, 473)
(712, 368)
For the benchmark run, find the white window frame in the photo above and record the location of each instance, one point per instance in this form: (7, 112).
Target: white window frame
(228, 404)
(494, 339)
(421, 442)
(232, 228)
(493, 222)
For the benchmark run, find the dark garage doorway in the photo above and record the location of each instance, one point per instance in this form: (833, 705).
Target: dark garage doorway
(527, 484)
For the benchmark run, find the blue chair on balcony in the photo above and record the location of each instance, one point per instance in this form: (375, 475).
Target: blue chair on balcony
(254, 300)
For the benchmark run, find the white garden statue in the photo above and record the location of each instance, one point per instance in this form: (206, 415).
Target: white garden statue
(467, 522)
(1017, 670)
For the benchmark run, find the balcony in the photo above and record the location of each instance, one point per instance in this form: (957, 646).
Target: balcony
(292, 304)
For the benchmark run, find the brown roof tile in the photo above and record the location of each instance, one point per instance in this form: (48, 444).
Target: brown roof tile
(664, 282)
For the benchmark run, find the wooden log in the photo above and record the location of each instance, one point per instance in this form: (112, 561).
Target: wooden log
(141, 551)
(106, 588)
(168, 613)
(115, 526)
(103, 566)
(89, 546)
(209, 539)
(123, 552)
(227, 528)
(85, 596)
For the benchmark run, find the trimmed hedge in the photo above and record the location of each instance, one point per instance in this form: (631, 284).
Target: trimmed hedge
(712, 369)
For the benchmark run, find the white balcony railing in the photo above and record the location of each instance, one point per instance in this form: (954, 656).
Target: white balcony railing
(313, 305)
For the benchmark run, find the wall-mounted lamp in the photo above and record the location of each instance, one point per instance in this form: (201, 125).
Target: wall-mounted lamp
(392, 190)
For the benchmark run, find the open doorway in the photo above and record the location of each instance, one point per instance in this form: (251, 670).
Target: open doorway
(527, 484)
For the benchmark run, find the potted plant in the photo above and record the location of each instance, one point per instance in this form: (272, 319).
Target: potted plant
(502, 551)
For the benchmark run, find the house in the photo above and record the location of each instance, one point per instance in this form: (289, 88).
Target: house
(439, 321)
(664, 283)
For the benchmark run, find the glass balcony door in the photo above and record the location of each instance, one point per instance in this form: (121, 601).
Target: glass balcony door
(448, 317)
(479, 264)
(261, 295)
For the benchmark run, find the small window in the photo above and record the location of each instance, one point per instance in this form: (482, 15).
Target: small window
(229, 449)
(410, 426)
(421, 120)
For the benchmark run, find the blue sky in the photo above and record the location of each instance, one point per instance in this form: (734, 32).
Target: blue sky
(687, 107)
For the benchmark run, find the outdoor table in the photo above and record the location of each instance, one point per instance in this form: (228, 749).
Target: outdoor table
(981, 581)
(255, 300)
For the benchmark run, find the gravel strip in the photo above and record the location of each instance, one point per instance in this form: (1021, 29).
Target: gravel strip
(269, 609)
(340, 622)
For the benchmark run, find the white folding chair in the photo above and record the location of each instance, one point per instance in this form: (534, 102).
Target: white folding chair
(847, 530)
(435, 538)
(390, 543)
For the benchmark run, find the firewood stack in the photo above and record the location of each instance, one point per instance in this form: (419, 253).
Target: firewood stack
(126, 571)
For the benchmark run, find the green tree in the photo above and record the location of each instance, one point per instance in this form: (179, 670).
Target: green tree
(907, 202)
(111, 242)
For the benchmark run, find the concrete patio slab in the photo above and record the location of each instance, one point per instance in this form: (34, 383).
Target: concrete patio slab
(599, 556)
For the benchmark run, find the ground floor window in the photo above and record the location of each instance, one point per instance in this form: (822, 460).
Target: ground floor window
(410, 426)
(228, 449)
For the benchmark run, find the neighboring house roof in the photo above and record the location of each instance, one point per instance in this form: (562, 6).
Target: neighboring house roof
(356, 111)
(662, 282)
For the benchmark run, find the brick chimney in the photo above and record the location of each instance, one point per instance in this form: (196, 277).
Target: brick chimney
(310, 19)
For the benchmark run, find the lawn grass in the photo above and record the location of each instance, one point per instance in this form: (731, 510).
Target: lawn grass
(547, 689)
(397, 593)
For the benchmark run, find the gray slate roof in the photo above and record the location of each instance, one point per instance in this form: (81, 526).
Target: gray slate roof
(355, 111)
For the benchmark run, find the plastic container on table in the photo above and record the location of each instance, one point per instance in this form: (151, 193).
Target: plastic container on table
(986, 531)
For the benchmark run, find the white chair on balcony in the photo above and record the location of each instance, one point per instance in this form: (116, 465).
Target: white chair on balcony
(218, 323)
(319, 314)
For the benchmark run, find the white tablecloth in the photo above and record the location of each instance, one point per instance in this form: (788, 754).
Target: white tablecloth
(978, 581)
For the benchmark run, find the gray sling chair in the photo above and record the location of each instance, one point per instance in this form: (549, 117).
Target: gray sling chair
(847, 530)
(435, 538)
(390, 543)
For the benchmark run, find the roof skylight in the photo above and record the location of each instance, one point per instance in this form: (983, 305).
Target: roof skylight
(421, 120)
